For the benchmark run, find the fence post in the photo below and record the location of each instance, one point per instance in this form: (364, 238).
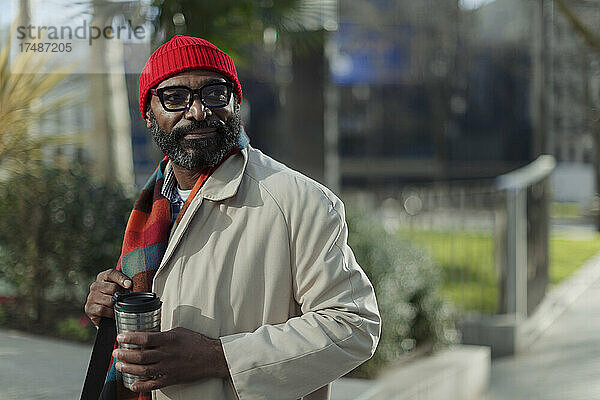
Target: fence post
(516, 248)
(515, 185)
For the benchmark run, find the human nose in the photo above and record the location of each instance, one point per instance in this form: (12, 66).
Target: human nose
(197, 110)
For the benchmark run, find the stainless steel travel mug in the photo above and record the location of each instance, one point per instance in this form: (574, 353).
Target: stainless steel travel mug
(137, 311)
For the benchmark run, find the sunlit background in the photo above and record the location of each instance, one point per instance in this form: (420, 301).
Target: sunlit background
(463, 136)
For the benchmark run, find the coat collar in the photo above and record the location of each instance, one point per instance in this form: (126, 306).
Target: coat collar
(224, 182)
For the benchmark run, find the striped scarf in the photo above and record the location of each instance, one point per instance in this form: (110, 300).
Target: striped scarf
(144, 245)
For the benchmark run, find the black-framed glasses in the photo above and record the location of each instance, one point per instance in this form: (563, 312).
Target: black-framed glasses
(180, 98)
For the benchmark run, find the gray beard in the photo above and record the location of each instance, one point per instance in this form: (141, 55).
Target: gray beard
(197, 153)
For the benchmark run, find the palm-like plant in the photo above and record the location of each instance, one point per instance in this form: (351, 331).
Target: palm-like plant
(590, 37)
(21, 108)
(236, 25)
(233, 25)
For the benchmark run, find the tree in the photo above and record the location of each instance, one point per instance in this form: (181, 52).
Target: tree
(592, 39)
(236, 25)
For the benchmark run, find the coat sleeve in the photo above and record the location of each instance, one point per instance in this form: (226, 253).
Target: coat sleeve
(339, 325)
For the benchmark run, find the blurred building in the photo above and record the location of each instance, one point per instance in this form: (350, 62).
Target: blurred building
(102, 116)
(392, 73)
(284, 91)
(371, 107)
(573, 92)
(538, 84)
(427, 91)
(383, 93)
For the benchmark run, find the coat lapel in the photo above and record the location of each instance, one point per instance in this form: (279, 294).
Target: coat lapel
(222, 184)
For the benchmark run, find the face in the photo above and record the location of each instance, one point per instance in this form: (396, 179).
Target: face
(198, 137)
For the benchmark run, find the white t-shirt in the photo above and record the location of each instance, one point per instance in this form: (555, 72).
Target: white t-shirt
(184, 194)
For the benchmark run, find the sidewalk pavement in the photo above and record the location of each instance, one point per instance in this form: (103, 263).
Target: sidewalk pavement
(564, 363)
(39, 368)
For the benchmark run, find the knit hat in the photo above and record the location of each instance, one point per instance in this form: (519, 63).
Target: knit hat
(185, 53)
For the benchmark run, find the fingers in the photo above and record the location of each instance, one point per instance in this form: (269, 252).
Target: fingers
(144, 339)
(98, 305)
(96, 311)
(96, 300)
(143, 371)
(149, 385)
(99, 301)
(112, 275)
(136, 356)
(147, 364)
(105, 287)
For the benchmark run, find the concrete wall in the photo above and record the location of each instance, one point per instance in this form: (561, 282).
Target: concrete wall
(573, 181)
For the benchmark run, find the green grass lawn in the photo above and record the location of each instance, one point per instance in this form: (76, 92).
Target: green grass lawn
(467, 261)
(566, 255)
(565, 210)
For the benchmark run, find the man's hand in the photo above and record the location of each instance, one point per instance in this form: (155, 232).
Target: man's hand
(99, 302)
(171, 357)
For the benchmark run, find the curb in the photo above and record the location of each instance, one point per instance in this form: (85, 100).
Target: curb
(458, 373)
(508, 334)
(557, 301)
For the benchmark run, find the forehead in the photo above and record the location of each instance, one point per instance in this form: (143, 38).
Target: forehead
(192, 78)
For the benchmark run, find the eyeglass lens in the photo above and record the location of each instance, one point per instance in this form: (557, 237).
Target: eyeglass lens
(211, 96)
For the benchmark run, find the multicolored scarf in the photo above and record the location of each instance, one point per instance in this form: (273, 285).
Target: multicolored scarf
(144, 245)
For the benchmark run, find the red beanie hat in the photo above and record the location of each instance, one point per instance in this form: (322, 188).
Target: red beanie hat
(185, 53)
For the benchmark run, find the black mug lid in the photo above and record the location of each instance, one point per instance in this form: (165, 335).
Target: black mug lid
(136, 302)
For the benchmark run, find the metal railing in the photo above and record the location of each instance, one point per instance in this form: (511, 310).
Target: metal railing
(490, 237)
(526, 235)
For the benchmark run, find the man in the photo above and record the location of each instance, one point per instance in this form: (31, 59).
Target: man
(262, 297)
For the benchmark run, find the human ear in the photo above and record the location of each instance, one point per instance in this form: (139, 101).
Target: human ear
(148, 125)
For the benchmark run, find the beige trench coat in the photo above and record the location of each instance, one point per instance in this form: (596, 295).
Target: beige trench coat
(260, 260)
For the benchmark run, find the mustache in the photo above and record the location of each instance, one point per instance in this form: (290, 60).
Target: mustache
(195, 125)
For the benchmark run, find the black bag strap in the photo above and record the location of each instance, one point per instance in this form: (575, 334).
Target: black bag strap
(99, 360)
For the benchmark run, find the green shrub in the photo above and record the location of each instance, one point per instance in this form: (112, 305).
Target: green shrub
(58, 228)
(565, 210)
(3, 316)
(75, 329)
(407, 284)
